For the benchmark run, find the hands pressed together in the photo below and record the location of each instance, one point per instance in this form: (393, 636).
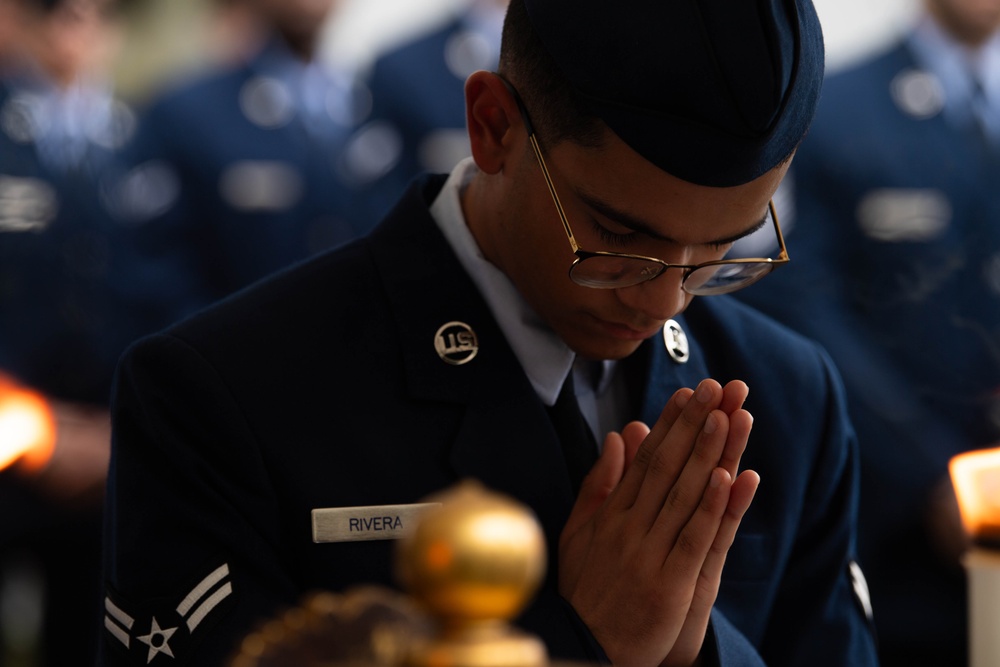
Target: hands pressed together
(641, 556)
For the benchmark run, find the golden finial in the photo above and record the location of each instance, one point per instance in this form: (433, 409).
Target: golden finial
(474, 562)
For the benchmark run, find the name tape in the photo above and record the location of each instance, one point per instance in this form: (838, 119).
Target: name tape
(374, 522)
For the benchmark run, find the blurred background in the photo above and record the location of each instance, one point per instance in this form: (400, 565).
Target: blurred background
(170, 35)
(166, 41)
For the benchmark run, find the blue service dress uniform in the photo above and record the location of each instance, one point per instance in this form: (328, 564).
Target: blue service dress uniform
(55, 245)
(896, 270)
(55, 249)
(233, 175)
(322, 387)
(417, 124)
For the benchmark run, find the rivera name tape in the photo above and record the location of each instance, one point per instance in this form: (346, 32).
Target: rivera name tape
(373, 522)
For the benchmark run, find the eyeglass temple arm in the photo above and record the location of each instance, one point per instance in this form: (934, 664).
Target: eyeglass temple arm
(533, 140)
(552, 191)
(783, 251)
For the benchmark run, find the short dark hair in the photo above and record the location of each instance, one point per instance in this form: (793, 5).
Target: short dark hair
(557, 110)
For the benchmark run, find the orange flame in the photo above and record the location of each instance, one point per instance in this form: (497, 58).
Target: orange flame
(27, 427)
(976, 478)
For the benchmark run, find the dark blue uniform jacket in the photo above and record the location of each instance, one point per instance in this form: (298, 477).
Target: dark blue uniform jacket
(321, 388)
(55, 251)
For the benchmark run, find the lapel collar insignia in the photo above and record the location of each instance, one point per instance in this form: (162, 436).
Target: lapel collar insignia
(456, 343)
(676, 342)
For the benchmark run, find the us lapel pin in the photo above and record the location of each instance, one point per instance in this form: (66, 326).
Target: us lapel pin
(676, 342)
(456, 343)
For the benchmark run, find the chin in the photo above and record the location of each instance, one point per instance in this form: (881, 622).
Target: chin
(601, 351)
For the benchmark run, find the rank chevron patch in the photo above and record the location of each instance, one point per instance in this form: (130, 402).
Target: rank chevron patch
(117, 622)
(165, 631)
(205, 597)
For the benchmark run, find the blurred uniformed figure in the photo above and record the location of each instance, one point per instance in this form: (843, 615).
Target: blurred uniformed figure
(896, 269)
(418, 104)
(237, 173)
(60, 128)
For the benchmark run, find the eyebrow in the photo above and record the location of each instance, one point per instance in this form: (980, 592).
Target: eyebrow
(637, 225)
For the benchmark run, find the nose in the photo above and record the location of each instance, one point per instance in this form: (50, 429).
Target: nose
(658, 299)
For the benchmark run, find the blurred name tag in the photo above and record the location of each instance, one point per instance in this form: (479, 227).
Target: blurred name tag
(898, 215)
(373, 522)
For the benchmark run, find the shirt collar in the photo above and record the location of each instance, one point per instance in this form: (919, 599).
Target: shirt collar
(953, 63)
(315, 87)
(545, 358)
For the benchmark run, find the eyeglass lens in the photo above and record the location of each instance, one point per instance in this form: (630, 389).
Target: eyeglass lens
(610, 271)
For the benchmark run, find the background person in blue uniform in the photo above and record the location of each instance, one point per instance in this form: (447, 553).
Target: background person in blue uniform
(417, 122)
(235, 174)
(334, 384)
(897, 272)
(60, 128)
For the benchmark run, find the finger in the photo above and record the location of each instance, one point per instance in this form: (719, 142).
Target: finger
(744, 490)
(672, 410)
(740, 496)
(686, 559)
(633, 434)
(740, 424)
(707, 589)
(665, 452)
(599, 483)
(625, 495)
(734, 394)
(687, 495)
(682, 569)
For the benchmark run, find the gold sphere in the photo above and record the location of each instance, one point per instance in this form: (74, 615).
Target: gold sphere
(478, 556)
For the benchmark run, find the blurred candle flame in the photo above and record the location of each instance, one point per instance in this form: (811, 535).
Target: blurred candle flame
(27, 427)
(976, 478)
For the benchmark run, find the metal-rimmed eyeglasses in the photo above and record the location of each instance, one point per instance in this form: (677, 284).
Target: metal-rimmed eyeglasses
(613, 270)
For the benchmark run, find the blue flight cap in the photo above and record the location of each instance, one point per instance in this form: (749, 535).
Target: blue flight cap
(715, 92)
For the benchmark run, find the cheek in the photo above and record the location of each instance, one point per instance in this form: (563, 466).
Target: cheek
(537, 241)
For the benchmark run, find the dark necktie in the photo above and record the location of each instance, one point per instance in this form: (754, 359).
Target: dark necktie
(979, 108)
(577, 440)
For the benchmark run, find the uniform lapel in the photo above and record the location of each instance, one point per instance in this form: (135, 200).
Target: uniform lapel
(660, 376)
(504, 438)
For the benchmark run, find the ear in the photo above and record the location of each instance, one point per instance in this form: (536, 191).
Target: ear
(492, 118)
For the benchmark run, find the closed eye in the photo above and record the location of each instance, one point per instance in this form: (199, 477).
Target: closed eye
(623, 241)
(611, 238)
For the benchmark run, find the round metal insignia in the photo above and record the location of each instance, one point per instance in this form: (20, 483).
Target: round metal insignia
(456, 343)
(918, 94)
(676, 342)
(266, 102)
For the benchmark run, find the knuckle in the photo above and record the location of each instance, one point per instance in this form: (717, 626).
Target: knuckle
(659, 463)
(687, 545)
(676, 500)
(692, 417)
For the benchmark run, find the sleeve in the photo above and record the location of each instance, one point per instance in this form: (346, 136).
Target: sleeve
(725, 645)
(193, 546)
(820, 614)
